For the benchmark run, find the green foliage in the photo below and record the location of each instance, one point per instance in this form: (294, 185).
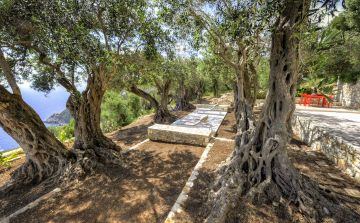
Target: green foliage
(134, 104)
(115, 112)
(119, 109)
(64, 132)
(216, 74)
(353, 9)
(331, 53)
(263, 74)
(2, 160)
(5, 161)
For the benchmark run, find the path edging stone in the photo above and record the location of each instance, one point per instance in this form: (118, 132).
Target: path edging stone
(176, 208)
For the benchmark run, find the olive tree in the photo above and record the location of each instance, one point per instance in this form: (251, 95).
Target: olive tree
(259, 168)
(142, 74)
(233, 31)
(45, 155)
(67, 43)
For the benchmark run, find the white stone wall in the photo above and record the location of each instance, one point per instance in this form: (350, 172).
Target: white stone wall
(344, 154)
(350, 95)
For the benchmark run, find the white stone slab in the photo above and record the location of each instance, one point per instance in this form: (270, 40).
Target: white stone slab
(195, 128)
(179, 134)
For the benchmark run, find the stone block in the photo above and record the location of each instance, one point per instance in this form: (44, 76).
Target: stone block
(180, 134)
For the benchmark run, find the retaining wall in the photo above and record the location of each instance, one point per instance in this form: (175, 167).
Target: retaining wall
(342, 152)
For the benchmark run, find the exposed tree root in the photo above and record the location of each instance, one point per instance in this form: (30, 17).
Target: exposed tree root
(88, 160)
(164, 116)
(56, 171)
(244, 114)
(267, 175)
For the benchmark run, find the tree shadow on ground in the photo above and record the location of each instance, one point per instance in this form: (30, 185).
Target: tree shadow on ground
(345, 190)
(132, 135)
(319, 168)
(142, 192)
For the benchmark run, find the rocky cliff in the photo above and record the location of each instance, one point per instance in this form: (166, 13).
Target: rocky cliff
(59, 118)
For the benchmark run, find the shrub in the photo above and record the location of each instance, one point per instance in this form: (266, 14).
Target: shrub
(303, 90)
(115, 111)
(6, 161)
(64, 132)
(135, 106)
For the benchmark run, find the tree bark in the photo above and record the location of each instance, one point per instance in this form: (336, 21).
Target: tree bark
(162, 113)
(10, 78)
(243, 100)
(85, 108)
(215, 87)
(45, 155)
(183, 100)
(260, 168)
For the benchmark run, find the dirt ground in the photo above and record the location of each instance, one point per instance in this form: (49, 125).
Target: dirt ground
(311, 163)
(227, 128)
(193, 210)
(5, 171)
(143, 192)
(146, 189)
(125, 137)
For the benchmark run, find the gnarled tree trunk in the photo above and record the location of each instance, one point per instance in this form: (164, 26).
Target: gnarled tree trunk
(162, 113)
(215, 87)
(182, 103)
(45, 155)
(243, 101)
(183, 100)
(260, 168)
(85, 108)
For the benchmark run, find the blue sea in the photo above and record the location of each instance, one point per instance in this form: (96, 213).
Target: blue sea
(44, 104)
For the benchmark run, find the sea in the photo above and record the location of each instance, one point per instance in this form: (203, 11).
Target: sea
(44, 104)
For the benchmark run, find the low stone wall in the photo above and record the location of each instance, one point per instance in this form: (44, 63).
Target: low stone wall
(343, 153)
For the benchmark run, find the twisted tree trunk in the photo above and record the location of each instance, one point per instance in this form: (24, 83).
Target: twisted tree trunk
(183, 100)
(85, 108)
(215, 87)
(162, 113)
(45, 155)
(260, 168)
(244, 101)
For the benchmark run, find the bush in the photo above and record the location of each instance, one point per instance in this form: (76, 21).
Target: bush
(64, 132)
(6, 161)
(135, 106)
(115, 111)
(303, 90)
